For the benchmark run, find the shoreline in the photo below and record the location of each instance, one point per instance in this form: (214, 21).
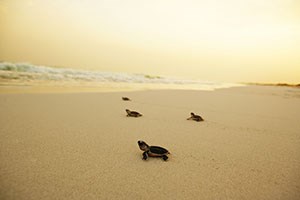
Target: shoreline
(275, 84)
(83, 87)
(31, 87)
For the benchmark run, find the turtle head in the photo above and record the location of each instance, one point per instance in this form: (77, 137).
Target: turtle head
(143, 145)
(192, 114)
(127, 110)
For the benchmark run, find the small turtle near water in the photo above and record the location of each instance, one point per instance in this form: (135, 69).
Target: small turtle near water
(133, 113)
(153, 151)
(126, 99)
(196, 118)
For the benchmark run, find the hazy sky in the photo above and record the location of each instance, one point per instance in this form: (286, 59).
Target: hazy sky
(227, 40)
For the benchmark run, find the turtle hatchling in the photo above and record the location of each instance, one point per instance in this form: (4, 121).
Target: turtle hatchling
(126, 99)
(153, 151)
(133, 113)
(196, 118)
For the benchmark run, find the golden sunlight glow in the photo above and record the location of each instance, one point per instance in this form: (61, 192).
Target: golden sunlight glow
(229, 40)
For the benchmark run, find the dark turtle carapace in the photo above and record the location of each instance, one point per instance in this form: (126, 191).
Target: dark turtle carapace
(196, 118)
(153, 151)
(126, 99)
(133, 113)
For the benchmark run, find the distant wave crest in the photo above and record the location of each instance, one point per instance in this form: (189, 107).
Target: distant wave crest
(29, 72)
(21, 70)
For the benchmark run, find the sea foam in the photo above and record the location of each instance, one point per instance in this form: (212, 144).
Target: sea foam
(24, 72)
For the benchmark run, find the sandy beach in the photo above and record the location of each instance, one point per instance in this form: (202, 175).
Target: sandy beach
(82, 145)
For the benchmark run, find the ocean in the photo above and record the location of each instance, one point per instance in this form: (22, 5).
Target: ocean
(26, 75)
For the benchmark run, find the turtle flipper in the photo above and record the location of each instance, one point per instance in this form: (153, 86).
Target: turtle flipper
(165, 157)
(145, 155)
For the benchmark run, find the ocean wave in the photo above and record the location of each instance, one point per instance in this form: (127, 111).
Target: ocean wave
(21, 70)
(28, 72)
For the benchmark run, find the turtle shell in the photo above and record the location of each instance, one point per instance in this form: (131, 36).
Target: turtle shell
(197, 118)
(157, 151)
(134, 113)
(125, 98)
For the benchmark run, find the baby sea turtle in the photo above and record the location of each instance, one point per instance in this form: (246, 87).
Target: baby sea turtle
(196, 118)
(153, 151)
(133, 113)
(126, 99)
